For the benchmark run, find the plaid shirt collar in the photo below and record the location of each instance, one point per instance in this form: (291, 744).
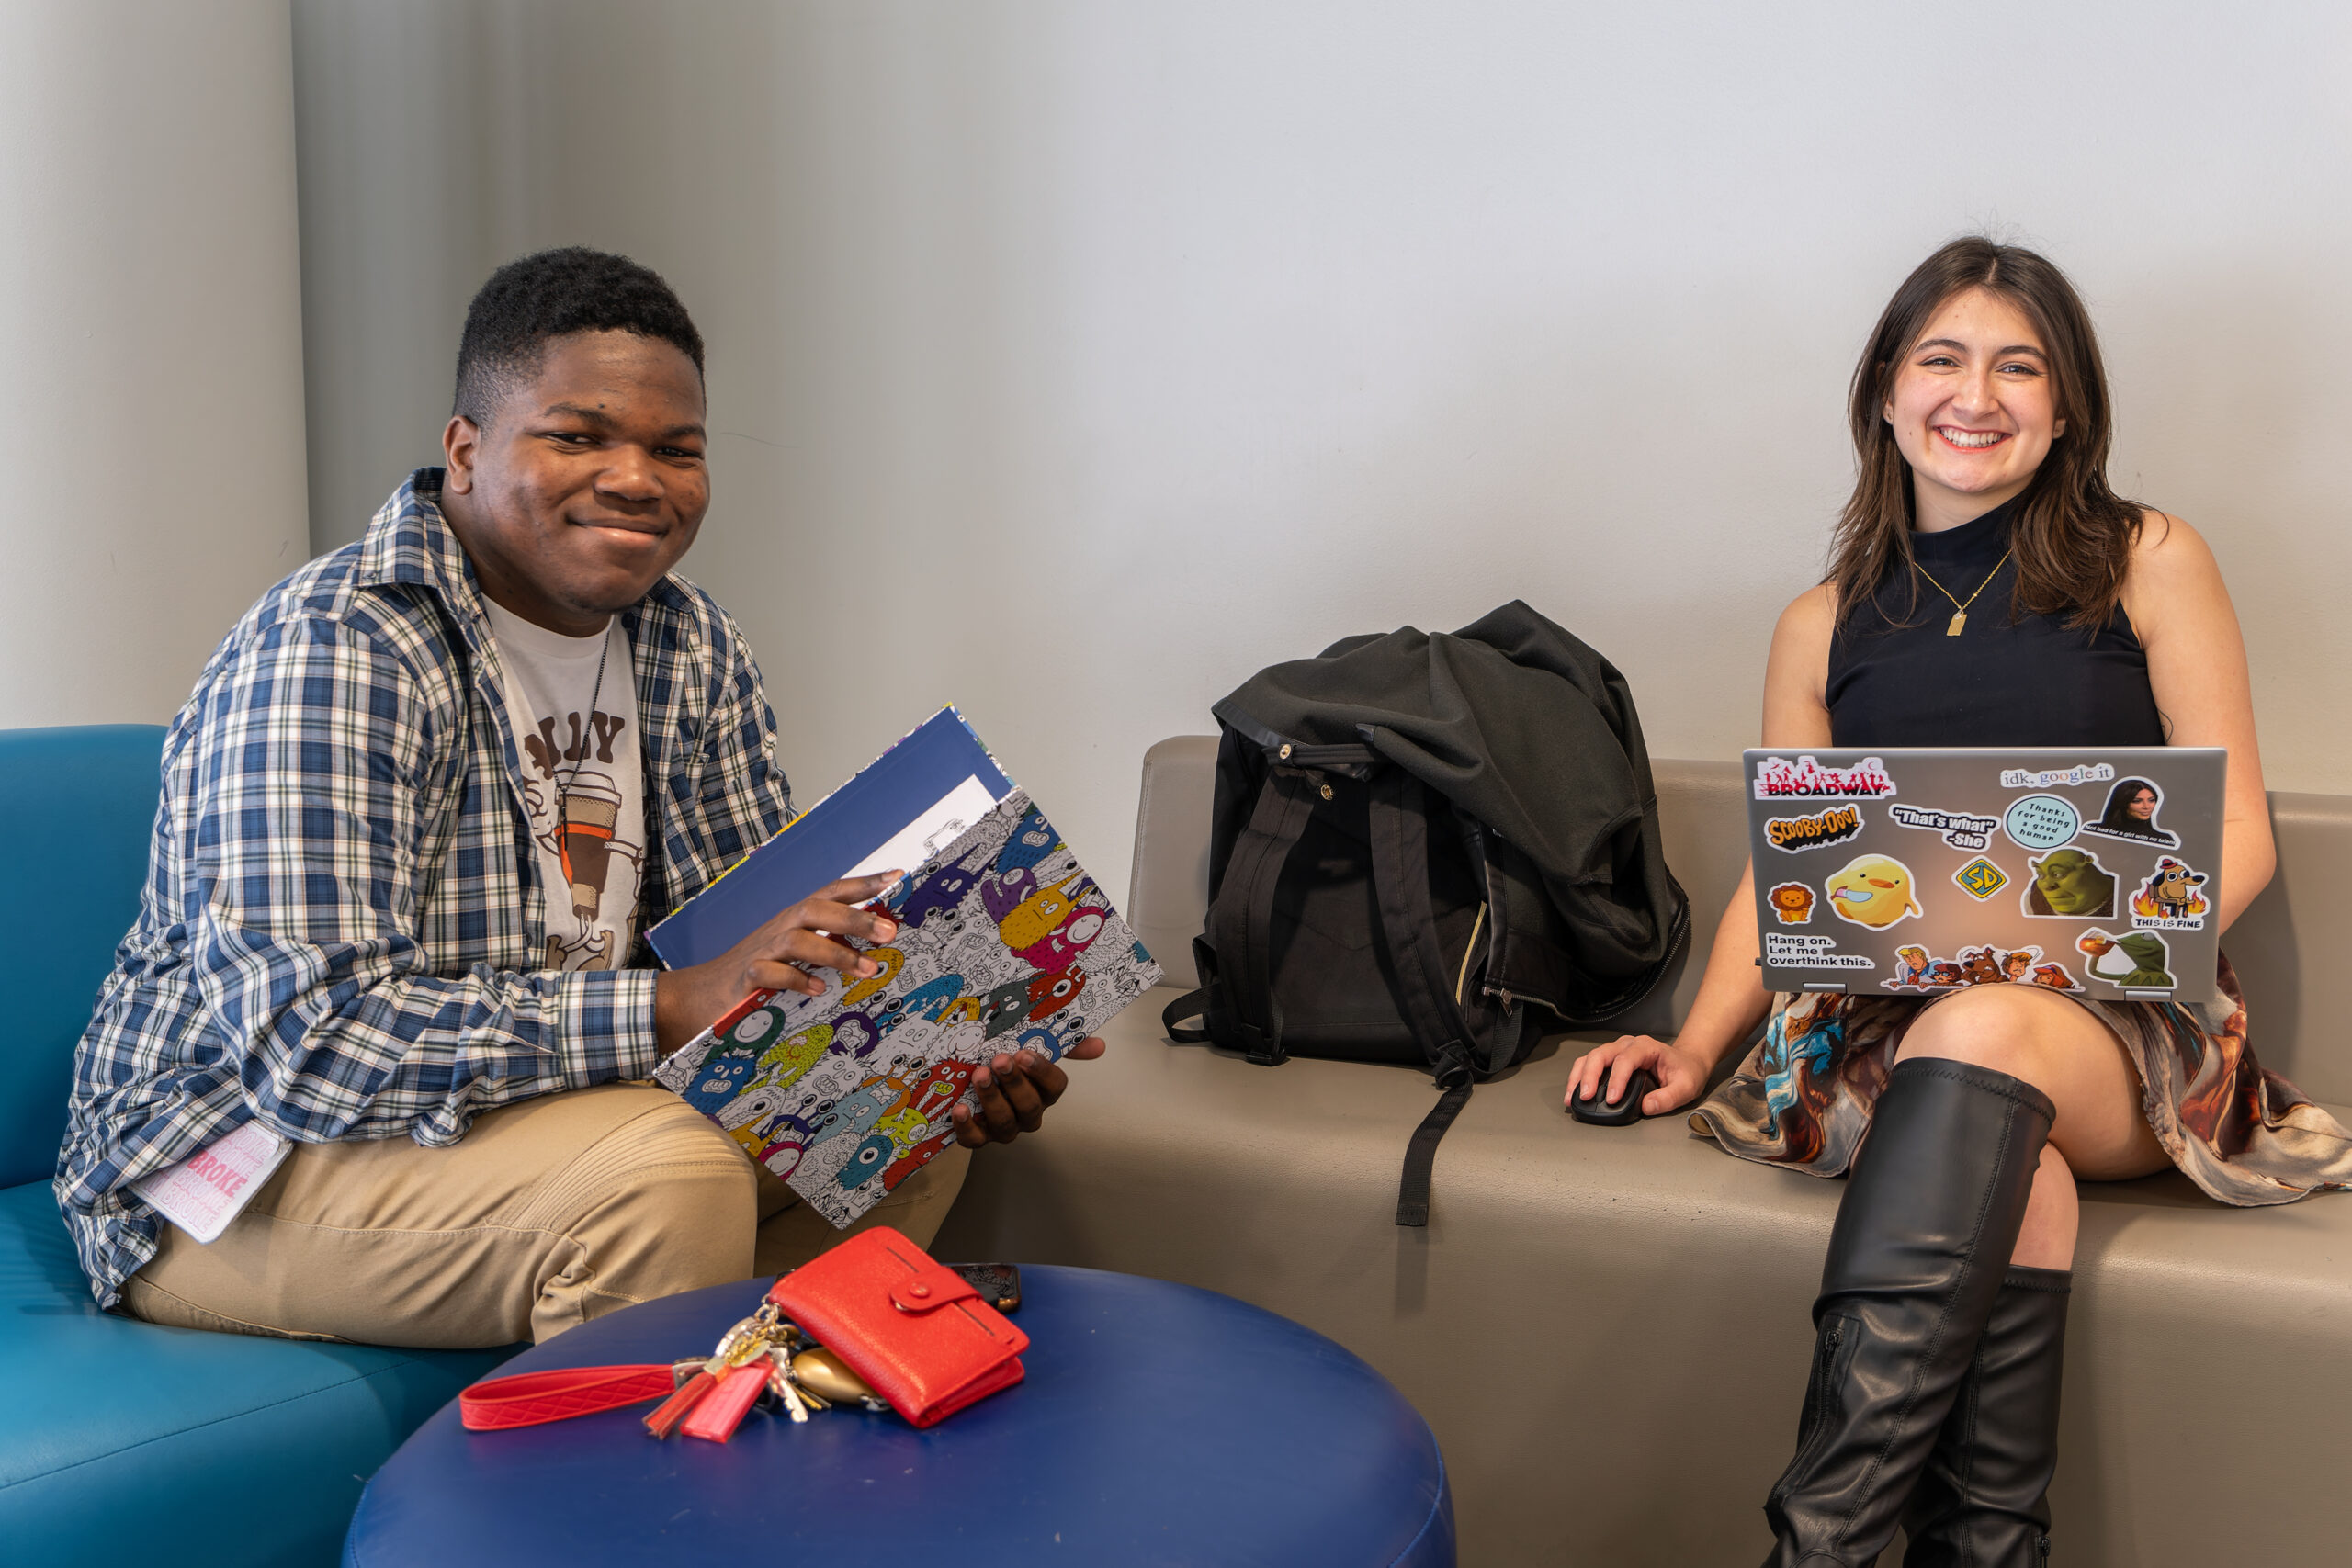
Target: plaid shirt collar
(410, 543)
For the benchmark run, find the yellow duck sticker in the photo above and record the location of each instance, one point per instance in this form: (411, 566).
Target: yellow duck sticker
(1873, 891)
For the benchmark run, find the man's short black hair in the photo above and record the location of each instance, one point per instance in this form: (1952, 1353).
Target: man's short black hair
(547, 295)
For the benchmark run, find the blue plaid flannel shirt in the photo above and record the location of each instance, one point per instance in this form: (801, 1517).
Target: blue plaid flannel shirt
(342, 922)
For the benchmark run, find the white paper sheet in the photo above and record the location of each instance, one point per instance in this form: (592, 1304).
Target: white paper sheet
(948, 817)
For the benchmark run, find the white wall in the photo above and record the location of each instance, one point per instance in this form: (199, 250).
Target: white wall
(151, 374)
(1071, 361)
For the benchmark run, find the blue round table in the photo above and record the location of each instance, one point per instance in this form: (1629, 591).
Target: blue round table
(1158, 1424)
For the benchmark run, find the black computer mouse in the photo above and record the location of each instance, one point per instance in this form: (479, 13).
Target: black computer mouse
(1597, 1109)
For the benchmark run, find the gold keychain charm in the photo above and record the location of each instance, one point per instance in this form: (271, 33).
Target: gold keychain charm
(822, 1372)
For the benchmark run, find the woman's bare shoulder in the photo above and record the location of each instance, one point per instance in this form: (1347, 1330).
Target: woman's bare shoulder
(2168, 554)
(1810, 618)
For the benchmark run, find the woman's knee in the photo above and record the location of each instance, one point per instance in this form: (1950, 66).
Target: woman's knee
(1999, 1028)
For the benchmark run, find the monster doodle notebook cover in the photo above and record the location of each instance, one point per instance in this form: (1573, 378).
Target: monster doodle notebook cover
(1005, 942)
(2093, 871)
(937, 780)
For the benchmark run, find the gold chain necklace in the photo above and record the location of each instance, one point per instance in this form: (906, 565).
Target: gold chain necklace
(1960, 615)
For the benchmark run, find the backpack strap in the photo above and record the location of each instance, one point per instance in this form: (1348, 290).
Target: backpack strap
(1241, 923)
(1420, 1155)
(1195, 1003)
(1400, 874)
(1400, 877)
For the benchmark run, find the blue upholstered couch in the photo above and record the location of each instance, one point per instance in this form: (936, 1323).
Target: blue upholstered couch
(121, 1442)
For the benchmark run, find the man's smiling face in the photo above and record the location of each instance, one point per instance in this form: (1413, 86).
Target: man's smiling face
(589, 483)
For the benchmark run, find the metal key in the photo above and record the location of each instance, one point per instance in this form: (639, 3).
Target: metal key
(785, 1388)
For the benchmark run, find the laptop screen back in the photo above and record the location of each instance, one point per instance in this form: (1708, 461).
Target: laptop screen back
(2094, 871)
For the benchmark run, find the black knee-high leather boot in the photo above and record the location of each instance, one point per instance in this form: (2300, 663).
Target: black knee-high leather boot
(1930, 1215)
(1984, 1499)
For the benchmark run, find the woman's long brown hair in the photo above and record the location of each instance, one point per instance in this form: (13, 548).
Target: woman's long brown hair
(2073, 536)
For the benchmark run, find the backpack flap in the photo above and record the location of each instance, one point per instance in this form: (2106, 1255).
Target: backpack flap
(1292, 961)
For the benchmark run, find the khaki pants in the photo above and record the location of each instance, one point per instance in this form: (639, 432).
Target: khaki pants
(547, 1213)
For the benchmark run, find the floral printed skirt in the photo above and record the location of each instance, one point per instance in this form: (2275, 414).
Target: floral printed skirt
(1804, 1096)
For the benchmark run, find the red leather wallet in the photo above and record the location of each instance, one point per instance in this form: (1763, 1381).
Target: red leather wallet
(915, 1330)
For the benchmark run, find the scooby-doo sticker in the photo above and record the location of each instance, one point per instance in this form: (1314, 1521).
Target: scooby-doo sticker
(2140, 962)
(1873, 891)
(1961, 830)
(1980, 879)
(2071, 885)
(1831, 825)
(2171, 899)
(1916, 970)
(1792, 904)
(2132, 807)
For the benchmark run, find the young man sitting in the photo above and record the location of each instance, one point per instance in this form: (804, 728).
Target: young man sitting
(416, 815)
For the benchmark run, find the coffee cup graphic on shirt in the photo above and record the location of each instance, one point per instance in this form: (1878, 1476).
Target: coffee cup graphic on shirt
(590, 811)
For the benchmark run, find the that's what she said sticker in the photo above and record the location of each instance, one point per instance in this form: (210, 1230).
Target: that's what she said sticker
(1961, 830)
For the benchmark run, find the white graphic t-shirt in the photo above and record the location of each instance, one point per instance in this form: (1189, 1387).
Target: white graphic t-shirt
(584, 768)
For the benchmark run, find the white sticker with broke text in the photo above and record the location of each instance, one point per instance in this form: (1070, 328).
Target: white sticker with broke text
(205, 1192)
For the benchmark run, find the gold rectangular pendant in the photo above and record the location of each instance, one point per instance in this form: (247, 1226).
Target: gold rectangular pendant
(1957, 621)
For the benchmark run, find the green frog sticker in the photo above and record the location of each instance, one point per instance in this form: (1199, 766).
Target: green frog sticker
(2139, 962)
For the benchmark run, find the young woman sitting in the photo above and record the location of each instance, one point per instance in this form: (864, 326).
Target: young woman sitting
(1980, 415)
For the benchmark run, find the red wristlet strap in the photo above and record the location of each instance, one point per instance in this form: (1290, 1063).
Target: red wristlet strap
(534, 1397)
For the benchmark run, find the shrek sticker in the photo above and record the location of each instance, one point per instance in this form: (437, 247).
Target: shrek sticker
(2070, 885)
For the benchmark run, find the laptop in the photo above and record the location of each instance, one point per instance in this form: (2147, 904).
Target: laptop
(1887, 872)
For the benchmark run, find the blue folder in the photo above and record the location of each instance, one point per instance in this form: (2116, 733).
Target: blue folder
(829, 838)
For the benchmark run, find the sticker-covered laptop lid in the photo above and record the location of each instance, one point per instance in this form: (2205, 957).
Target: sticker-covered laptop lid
(2094, 871)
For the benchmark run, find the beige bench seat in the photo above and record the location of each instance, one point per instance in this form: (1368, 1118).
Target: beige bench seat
(1608, 1328)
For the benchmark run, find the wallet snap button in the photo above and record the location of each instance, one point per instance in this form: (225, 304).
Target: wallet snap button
(918, 1291)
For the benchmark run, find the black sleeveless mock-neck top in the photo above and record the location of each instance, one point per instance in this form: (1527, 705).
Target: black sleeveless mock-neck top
(2028, 682)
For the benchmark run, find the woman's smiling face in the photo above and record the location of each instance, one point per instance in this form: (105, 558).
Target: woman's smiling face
(2143, 804)
(1972, 408)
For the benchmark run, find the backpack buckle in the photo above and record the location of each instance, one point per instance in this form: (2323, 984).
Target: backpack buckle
(1260, 1046)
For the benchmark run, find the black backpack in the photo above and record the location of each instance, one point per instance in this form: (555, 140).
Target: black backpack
(1407, 864)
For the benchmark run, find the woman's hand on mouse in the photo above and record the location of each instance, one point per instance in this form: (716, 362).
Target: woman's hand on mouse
(1680, 1074)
